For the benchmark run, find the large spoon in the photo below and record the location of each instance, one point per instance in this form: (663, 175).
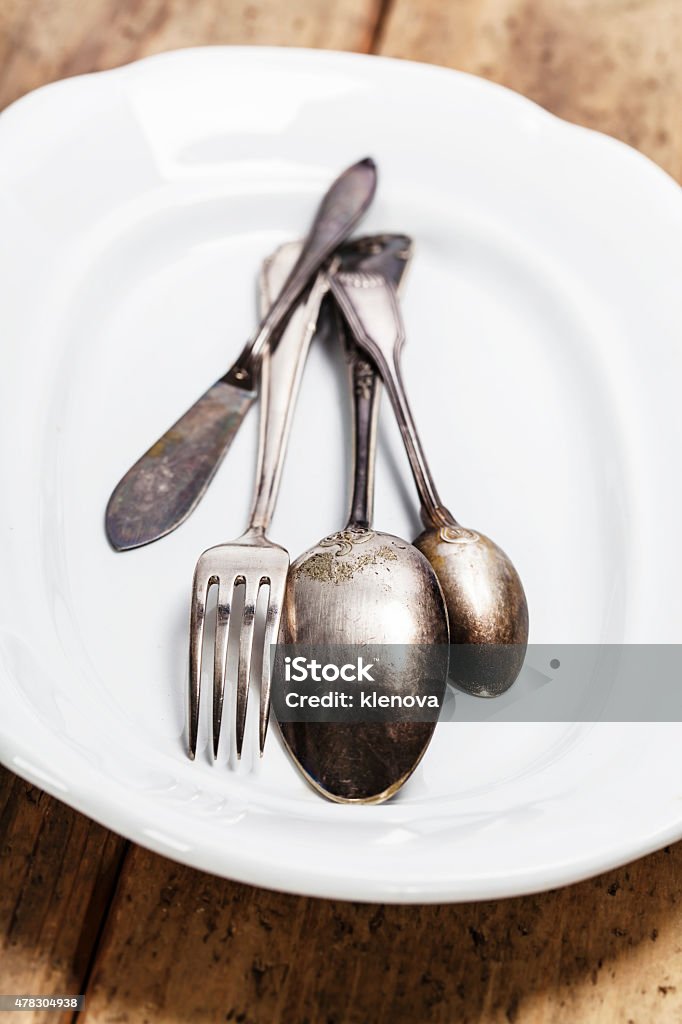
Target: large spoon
(487, 609)
(360, 587)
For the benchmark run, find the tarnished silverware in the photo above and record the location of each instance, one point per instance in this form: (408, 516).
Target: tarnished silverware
(164, 486)
(361, 587)
(252, 561)
(486, 603)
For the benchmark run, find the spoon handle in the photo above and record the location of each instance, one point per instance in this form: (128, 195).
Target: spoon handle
(369, 304)
(365, 391)
(388, 255)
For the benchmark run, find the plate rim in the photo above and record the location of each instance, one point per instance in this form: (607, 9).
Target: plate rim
(343, 56)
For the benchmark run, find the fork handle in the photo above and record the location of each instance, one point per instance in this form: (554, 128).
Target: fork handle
(281, 373)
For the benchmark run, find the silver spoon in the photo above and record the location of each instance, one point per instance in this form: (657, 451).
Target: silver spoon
(487, 609)
(359, 587)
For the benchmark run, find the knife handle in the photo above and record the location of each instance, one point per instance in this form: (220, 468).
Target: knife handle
(341, 208)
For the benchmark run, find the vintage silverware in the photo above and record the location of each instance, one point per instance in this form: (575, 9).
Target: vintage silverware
(359, 587)
(164, 486)
(252, 561)
(487, 608)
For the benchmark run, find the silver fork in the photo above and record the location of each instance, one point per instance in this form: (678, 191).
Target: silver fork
(253, 561)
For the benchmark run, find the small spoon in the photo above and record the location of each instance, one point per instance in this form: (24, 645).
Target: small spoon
(362, 587)
(487, 609)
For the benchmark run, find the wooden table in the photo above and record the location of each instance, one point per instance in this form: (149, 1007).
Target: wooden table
(82, 910)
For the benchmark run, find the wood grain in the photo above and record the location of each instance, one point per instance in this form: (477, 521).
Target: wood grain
(57, 874)
(182, 946)
(179, 945)
(613, 65)
(42, 40)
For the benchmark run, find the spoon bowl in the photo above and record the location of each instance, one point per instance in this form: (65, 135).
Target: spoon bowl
(486, 605)
(363, 589)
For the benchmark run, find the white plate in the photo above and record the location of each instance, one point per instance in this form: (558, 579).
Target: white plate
(544, 312)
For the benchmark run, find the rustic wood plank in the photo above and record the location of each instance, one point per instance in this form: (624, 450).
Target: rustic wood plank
(42, 40)
(57, 874)
(613, 65)
(182, 946)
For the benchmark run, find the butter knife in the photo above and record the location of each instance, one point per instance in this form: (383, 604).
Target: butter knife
(165, 485)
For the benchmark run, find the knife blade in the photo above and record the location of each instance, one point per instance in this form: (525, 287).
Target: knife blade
(165, 485)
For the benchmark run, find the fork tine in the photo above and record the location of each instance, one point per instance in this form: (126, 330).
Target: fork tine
(220, 659)
(245, 647)
(197, 620)
(269, 638)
